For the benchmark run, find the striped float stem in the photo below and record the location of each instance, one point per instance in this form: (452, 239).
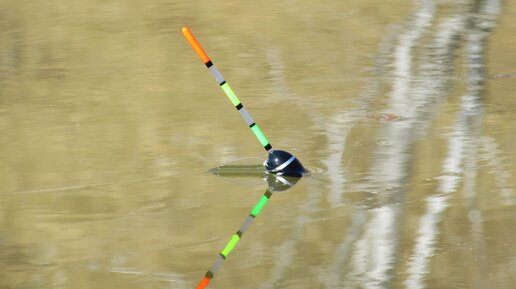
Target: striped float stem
(234, 240)
(226, 88)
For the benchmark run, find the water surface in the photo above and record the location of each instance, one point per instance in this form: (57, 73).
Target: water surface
(403, 111)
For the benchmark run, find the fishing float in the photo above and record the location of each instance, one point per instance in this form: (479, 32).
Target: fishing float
(283, 169)
(279, 162)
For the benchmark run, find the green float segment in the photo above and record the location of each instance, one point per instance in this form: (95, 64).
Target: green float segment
(235, 239)
(258, 208)
(230, 246)
(227, 89)
(243, 112)
(230, 94)
(259, 135)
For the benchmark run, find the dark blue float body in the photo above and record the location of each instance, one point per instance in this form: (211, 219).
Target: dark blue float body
(285, 164)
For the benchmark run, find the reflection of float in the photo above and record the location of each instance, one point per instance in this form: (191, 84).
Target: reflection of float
(275, 183)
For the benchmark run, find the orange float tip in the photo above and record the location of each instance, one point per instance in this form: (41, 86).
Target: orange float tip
(204, 282)
(195, 44)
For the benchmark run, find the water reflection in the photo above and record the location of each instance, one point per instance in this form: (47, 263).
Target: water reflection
(461, 163)
(425, 60)
(109, 124)
(276, 183)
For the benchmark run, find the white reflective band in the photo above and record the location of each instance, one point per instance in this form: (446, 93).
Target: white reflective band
(284, 181)
(284, 165)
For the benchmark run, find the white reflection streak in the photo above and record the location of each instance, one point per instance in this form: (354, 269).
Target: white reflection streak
(337, 131)
(400, 100)
(375, 251)
(428, 231)
(379, 223)
(476, 48)
(462, 143)
(390, 167)
(339, 126)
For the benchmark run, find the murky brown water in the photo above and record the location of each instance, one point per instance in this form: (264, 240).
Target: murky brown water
(404, 111)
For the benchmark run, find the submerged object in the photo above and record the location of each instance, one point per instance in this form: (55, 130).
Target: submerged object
(284, 164)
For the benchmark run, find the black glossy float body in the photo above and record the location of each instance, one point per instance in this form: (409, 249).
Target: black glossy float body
(285, 164)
